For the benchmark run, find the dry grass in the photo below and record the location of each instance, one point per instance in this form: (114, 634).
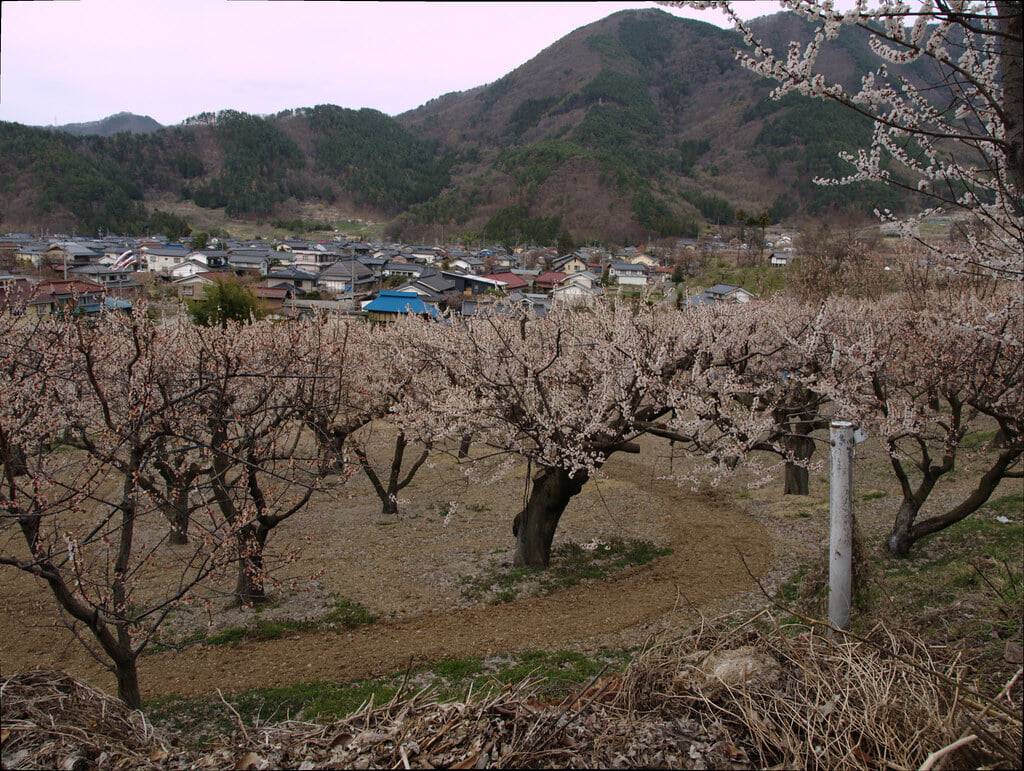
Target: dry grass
(53, 721)
(731, 694)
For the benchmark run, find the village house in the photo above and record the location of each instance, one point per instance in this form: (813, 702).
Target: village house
(642, 258)
(65, 255)
(569, 264)
(296, 279)
(548, 280)
(722, 293)
(33, 252)
(347, 276)
(473, 265)
(161, 259)
(309, 257)
(211, 258)
(430, 285)
(194, 287)
(191, 267)
(467, 284)
(424, 255)
(389, 306)
(627, 273)
(260, 261)
(115, 283)
(513, 281)
(48, 298)
(578, 289)
(271, 299)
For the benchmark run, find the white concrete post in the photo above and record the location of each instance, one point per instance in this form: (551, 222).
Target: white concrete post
(840, 577)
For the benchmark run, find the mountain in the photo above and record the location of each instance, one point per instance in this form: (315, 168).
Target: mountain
(112, 124)
(637, 126)
(640, 125)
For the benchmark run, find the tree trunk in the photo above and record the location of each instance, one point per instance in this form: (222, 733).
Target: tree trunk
(797, 480)
(178, 515)
(464, 445)
(388, 493)
(906, 531)
(535, 526)
(127, 674)
(975, 500)
(902, 538)
(797, 477)
(249, 589)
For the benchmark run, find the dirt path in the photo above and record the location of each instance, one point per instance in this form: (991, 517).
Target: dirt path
(707, 533)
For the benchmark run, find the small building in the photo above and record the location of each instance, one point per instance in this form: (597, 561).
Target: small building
(259, 261)
(296, 278)
(161, 259)
(548, 280)
(58, 298)
(345, 276)
(194, 287)
(722, 293)
(390, 305)
(627, 273)
(116, 283)
(569, 264)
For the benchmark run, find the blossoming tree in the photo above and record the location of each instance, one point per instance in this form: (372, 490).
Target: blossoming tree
(567, 390)
(87, 408)
(940, 378)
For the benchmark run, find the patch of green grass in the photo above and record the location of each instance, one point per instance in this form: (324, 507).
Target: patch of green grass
(967, 578)
(571, 564)
(456, 670)
(200, 720)
(979, 439)
(348, 614)
(1007, 505)
(791, 590)
(227, 636)
(344, 615)
(873, 495)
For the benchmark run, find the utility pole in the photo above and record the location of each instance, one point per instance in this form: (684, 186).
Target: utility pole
(840, 574)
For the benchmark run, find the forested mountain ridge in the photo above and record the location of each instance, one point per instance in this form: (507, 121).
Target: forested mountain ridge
(637, 126)
(112, 124)
(643, 124)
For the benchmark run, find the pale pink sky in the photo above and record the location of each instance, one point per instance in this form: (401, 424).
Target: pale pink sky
(71, 61)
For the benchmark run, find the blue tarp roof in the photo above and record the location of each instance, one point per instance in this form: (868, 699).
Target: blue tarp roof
(401, 302)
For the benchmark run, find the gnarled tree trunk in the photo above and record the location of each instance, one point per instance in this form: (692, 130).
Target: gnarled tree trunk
(901, 537)
(907, 530)
(534, 527)
(797, 477)
(249, 588)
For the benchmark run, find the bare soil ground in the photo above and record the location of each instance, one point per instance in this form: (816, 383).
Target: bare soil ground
(408, 571)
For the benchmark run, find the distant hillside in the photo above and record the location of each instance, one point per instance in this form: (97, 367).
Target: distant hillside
(638, 126)
(113, 124)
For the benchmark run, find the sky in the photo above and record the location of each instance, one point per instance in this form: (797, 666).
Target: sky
(72, 61)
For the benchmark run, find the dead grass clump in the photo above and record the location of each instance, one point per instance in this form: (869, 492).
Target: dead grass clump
(51, 720)
(812, 701)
